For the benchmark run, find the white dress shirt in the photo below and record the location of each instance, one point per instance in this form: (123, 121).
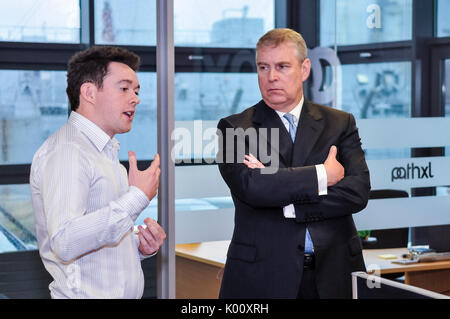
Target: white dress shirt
(84, 214)
(289, 211)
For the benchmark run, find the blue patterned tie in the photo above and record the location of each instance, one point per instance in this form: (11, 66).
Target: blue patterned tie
(292, 130)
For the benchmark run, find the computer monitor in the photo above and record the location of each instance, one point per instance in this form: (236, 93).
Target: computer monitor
(434, 236)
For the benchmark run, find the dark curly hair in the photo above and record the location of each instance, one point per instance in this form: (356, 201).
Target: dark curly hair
(91, 65)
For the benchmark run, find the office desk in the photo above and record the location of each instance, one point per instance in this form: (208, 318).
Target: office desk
(434, 276)
(199, 269)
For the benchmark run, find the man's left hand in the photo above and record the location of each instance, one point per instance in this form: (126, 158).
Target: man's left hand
(252, 162)
(151, 238)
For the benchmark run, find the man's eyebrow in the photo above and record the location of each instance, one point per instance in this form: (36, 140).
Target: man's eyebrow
(280, 62)
(129, 82)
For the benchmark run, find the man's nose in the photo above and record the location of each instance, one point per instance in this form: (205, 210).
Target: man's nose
(273, 75)
(135, 99)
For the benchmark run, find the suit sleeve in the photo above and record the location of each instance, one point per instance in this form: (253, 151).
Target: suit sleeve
(351, 194)
(256, 188)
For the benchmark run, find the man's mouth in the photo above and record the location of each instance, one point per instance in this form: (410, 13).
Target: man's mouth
(129, 114)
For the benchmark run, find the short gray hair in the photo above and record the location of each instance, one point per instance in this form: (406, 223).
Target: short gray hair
(284, 35)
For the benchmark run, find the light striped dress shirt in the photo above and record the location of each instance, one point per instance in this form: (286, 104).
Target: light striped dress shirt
(84, 214)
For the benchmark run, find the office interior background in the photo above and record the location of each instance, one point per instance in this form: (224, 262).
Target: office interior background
(385, 61)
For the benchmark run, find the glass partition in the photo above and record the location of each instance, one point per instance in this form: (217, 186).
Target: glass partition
(373, 75)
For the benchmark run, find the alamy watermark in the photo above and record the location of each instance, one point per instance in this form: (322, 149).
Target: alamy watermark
(374, 19)
(229, 147)
(373, 280)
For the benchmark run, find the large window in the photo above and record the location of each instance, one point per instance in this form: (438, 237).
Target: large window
(40, 21)
(443, 22)
(17, 231)
(222, 23)
(124, 22)
(198, 23)
(377, 90)
(346, 22)
(33, 105)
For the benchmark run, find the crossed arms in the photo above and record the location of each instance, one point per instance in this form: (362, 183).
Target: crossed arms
(348, 180)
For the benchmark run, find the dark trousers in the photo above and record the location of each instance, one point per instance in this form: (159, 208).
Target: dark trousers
(308, 287)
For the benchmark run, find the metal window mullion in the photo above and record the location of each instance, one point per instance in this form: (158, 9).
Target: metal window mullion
(87, 18)
(166, 194)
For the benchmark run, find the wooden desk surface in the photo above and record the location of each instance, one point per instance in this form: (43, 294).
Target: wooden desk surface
(214, 253)
(371, 258)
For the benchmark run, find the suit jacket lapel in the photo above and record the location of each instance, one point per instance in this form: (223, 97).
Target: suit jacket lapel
(310, 127)
(265, 117)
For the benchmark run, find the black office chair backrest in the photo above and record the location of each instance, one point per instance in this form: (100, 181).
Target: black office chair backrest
(388, 238)
(23, 276)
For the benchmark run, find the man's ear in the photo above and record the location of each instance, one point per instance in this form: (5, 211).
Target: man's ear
(88, 92)
(306, 69)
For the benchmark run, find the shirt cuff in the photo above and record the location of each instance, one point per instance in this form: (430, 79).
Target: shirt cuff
(289, 211)
(136, 237)
(322, 180)
(134, 202)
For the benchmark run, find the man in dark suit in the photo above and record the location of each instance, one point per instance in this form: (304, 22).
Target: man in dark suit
(294, 235)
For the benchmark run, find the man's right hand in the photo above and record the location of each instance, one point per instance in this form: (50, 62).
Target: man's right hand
(148, 180)
(335, 171)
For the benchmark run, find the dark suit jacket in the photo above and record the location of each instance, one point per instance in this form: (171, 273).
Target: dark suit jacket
(265, 257)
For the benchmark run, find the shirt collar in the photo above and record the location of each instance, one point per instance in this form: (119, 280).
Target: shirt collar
(94, 133)
(295, 111)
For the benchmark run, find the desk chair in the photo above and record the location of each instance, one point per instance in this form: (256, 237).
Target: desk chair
(388, 238)
(437, 237)
(22, 275)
